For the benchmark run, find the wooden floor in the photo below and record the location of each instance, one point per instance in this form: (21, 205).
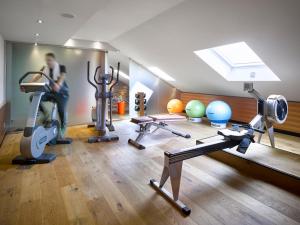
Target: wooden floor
(106, 183)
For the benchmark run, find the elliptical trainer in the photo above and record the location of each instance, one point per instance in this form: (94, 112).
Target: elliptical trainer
(101, 84)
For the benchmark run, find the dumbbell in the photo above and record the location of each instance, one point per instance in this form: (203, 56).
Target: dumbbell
(143, 95)
(137, 108)
(137, 101)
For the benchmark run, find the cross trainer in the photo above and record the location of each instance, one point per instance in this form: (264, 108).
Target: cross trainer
(102, 94)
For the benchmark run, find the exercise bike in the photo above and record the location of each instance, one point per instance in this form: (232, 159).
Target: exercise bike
(37, 136)
(102, 94)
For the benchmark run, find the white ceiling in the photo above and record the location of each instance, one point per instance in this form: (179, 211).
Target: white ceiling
(18, 19)
(120, 16)
(270, 28)
(165, 34)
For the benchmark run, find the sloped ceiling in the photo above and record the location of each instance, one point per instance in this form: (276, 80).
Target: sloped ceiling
(165, 34)
(271, 29)
(118, 17)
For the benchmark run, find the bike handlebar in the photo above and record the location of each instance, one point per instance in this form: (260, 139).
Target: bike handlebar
(88, 76)
(36, 72)
(96, 81)
(117, 80)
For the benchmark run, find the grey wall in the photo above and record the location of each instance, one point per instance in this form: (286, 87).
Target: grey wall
(27, 57)
(162, 91)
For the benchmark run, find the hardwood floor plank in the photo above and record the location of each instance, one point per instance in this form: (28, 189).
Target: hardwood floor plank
(76, 206)
(52, 206)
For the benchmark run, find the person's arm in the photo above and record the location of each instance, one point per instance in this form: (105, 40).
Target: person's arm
(37, 76)
(58, 84)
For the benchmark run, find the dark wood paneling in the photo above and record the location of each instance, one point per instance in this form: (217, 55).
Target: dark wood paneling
(4, 116)
(244, 109)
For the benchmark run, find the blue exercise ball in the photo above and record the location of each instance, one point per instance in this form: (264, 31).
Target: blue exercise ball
(219, 113)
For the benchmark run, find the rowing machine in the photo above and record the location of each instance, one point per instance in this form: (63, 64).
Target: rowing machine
(226, 138)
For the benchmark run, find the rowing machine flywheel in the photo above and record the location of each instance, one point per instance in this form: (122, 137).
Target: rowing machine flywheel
(277, 108)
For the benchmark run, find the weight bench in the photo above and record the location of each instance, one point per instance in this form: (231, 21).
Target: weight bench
(158, 121)
(226, 138)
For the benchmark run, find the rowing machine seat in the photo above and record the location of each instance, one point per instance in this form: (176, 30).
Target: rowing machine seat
(167, 117)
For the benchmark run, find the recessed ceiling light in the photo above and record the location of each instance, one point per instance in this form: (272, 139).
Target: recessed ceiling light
(158, 72)
(67, 15)
(39, 21)
(35, 44)
(97, 45)
(124, 75)
(37, 34)
(69, 43)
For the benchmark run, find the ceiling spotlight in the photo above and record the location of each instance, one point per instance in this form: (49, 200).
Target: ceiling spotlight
(39, 21)
(67, 15)
(37, 34)
(35, 44)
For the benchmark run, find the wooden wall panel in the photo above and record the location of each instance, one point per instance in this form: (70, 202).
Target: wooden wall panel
(244, 109)
(292, 123)
(4, 116)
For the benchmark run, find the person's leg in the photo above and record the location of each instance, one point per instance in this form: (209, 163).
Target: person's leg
(47, 97)
(62, 101)
(42, 108)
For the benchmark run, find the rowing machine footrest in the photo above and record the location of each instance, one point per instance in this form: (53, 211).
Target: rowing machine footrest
(181, 135)
(245, 143)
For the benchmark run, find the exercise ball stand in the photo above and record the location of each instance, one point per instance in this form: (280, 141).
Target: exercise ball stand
(272, 110)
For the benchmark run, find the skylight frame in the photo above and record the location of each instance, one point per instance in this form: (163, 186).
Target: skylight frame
(250, 72)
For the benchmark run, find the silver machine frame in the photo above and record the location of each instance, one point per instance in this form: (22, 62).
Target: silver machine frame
(173, 160)
(36, 137)
(102, 94)
(264, 118)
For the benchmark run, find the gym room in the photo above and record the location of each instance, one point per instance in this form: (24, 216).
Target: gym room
(149, 112)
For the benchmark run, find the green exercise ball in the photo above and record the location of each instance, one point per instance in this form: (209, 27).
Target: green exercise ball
(195, 109)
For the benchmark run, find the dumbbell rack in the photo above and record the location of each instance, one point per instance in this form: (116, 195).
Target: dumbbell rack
(140, 103)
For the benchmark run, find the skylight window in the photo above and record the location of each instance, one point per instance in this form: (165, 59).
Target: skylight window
(237, 62)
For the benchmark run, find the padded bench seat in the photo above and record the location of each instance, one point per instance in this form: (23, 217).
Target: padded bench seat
(157, 118)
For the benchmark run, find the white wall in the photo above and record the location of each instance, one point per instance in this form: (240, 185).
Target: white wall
(2, 72)
(142, 80)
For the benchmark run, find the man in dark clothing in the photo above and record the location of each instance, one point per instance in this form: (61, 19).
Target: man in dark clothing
(60, 89)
